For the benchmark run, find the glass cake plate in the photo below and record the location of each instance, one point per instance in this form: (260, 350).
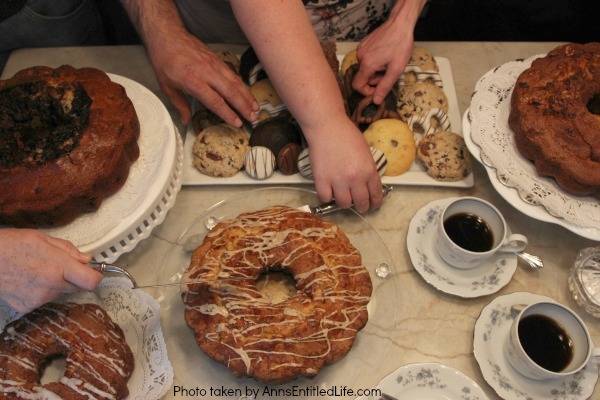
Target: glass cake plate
(358, 369)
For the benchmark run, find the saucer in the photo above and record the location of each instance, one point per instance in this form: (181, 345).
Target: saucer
(485, 279)
(429, 381)
(491, 328)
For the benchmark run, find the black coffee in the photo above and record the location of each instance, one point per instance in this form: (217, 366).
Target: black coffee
(470, 232)
(545, 342)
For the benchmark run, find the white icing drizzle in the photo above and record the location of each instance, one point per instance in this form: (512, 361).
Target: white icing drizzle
(299, 335)
(433, 121)
(82, 365)
(413, 74)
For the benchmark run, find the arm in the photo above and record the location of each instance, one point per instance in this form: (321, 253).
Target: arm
(36, 268)
(289, 50)
(383, 54)
(185, 65)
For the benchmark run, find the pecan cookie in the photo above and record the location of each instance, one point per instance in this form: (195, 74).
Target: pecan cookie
(445, 156)
(219, 150)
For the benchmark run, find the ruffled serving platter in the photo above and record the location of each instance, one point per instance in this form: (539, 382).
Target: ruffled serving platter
(490, 140)
(416, 174)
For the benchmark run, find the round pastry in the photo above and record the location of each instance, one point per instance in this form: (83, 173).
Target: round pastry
(395, 139)
(424, 59)
(432, 121)
(98, 360)
(349, 60)
(203, 118)
(259, 163)
(305, 169)
(251, 69)
(275, 133)
(413, 74)
(445, 156)
(555, 116)
(269, 101)
(287, 158)
(230, 59)
(275, 343)
(71, 150)
(421, 97)
(219, 150)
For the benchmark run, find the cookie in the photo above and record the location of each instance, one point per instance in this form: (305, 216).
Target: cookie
(434, 120)
(396, 141)
(418, 99)
(259, 163)
(270, 103)
(423, 58)
(230, 59)
(445, 156)
(219, 150)
(349, 60)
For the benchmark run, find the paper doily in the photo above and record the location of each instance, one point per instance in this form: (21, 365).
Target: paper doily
(138, 315)
(489, 110)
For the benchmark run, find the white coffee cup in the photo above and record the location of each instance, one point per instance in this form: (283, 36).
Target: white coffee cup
(463, 257)
(528, 352)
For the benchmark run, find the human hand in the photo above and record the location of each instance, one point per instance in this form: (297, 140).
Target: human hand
(343, 168)
(185, 65)
(383, 55)
(37, 268)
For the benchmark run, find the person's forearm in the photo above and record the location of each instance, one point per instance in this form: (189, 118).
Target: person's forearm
(152, 18)
(288, 48)
(406, 12)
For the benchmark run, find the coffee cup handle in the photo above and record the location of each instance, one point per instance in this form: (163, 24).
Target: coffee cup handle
(595, 358)
(513, 243)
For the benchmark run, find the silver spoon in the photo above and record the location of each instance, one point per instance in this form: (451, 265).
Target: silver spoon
(534, 262)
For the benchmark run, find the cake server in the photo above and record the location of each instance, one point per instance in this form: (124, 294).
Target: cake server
(112, 268)
(323, 209)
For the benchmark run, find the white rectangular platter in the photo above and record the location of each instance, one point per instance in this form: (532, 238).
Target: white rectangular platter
(416, 174)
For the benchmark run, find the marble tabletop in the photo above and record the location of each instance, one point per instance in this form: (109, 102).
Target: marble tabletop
(435, 327)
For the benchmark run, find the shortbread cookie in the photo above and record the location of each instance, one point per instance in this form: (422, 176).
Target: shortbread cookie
(420, 98)
(396, 141)
(445, 156)
(219, 150)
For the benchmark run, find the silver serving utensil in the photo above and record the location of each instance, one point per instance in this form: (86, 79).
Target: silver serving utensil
(194, 241)
(534, 262)
(112, 268)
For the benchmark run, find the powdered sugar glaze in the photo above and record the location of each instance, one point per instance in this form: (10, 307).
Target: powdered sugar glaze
(236, 325)
(98, 363)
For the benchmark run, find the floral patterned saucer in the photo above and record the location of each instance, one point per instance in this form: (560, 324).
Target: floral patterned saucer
(483, 280)
(425, 381)
(491, 329)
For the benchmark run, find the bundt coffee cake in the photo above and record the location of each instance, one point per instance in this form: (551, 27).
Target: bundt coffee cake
(555, 116)
(98, 364)
(276, 342)
(67, 140)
